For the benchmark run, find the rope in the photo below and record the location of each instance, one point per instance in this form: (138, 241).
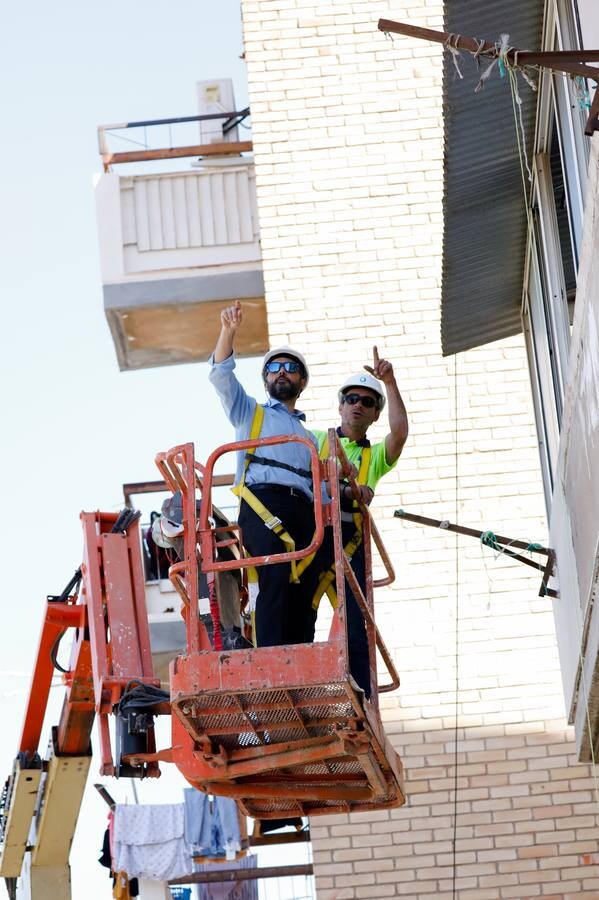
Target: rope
(582, 92)
(499, 59)
(488, 539)
(477, 53)
(520, 133)
(451, 44)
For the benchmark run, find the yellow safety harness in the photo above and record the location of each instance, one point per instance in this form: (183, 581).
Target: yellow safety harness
(272, 522)
(325, 585)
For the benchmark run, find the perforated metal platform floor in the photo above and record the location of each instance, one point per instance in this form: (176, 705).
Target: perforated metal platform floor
(306, 748)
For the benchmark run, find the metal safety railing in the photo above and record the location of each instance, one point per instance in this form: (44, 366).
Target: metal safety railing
(202, 539)
(230, 120)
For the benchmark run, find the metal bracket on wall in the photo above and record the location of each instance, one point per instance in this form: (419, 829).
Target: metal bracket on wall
(497, 542)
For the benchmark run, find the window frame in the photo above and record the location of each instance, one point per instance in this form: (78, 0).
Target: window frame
(545, 316)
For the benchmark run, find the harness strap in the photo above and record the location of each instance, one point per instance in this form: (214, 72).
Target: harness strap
(244, 493)
(325, 584)
(273, 523)
(265, 461)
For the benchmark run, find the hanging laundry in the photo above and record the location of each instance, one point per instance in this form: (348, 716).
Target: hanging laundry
(120, 888)
(149, 841)
(211, 827)
(228, 890)
(227, 819)
(105, 858)
(198, 823)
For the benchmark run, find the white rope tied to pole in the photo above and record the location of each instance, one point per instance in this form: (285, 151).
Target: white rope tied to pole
(451, 44)
(501, 49)
(517, 104)
(481, 45)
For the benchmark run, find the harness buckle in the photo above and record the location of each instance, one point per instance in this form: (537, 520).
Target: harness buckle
(272, 522)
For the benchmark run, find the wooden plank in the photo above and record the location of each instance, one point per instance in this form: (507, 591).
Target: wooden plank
(473, 45)
(283, 837)
(549, 56)
(245, 874)
(224, 149)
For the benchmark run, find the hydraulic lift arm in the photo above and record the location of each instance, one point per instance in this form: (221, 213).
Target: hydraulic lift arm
(110, 648)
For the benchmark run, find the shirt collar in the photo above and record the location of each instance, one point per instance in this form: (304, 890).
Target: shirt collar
(272, 401)
(363, 442)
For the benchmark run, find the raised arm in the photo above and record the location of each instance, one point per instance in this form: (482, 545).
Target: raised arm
(398, 418)
(230, 320)
(236, 403)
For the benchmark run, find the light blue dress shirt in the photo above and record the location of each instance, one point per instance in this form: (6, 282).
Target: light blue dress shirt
(240, 408)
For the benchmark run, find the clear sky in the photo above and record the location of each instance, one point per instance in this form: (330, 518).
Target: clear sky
(75, 428)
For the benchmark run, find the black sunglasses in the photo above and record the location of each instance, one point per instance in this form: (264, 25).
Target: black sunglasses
(288, 365)
(366, 401)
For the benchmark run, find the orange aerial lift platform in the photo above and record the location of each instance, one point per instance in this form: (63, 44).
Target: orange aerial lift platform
(283, 730)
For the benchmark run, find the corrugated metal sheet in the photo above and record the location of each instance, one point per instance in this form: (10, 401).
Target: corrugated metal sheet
(484, 213)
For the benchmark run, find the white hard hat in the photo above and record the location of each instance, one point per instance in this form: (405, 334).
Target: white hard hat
(285, 350)
(363, 380)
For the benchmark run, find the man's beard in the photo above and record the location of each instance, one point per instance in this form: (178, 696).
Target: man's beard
(283, 390)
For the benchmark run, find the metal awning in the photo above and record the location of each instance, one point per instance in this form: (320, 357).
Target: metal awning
(483, 200)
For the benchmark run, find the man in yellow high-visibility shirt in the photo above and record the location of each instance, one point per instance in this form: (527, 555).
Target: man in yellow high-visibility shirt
(361, 401)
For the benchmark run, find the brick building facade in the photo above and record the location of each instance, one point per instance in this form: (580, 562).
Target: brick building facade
(348, 138)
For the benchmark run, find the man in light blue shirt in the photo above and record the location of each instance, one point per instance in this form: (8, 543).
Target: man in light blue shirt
(278, 476)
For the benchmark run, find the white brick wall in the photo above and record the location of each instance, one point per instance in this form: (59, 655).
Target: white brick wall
(347, 130)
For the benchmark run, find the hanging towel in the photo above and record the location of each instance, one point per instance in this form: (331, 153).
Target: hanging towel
(211, 828)
(198, 822)
(226, 815)
(149, 841)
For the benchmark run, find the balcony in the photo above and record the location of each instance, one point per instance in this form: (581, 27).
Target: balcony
(178, 245)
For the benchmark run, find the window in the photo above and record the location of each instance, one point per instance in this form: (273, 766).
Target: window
(541, 352)
(555, 234)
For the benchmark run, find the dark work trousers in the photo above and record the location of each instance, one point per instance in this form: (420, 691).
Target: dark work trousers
(282, 607)
(357, 640)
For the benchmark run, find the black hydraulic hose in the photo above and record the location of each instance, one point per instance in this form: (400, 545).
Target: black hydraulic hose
(138, 695)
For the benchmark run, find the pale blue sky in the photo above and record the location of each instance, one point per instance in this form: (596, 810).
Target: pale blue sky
(74, 428)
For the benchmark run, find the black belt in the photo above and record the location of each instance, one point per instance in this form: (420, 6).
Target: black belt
(280, 489)
(265, 461)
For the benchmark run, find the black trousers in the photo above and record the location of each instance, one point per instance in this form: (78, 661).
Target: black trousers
(357, 640)
(282, 607)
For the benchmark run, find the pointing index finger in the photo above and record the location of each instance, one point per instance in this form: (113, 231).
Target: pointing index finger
(375, 353)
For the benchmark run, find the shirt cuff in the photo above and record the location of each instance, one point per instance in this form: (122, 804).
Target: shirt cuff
(228, 363)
